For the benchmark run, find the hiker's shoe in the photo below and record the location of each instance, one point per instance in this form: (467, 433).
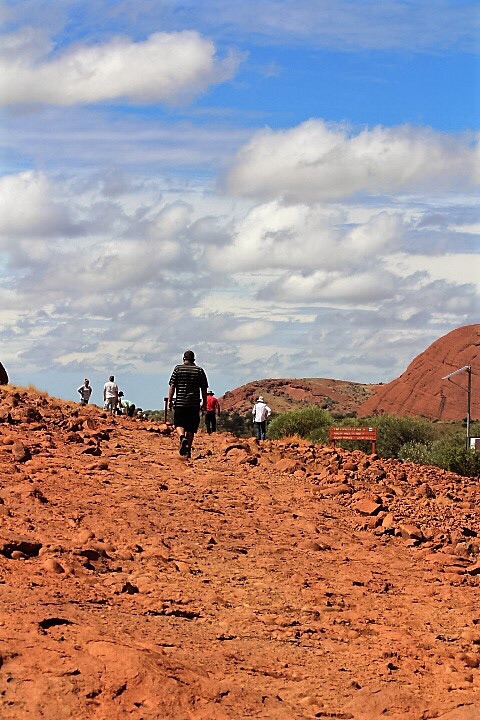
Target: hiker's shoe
(184, 447)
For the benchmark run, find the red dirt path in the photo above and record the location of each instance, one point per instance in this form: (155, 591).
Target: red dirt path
(278, 581)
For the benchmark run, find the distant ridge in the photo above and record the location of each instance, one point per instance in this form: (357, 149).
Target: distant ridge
(338, 396)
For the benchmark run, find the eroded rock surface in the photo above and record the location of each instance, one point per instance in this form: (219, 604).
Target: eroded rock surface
(281, 580)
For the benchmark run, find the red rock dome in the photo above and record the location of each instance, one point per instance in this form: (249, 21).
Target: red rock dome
(420, 390)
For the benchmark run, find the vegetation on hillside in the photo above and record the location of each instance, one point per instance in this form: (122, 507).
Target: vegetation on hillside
(413, 439)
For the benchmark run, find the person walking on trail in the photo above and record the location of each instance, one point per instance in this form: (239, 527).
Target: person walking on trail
(213, 409)
(188, 383)
(85, 391)
(110, 395)
(261, 412)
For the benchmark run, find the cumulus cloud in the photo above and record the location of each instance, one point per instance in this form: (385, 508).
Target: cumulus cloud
(316, 161)
(27, 208)
(248, 330)
(166, 67)
(128, 279)
(274, 235)
(361, 288)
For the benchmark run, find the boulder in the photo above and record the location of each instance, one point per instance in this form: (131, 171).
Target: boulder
(3, 375)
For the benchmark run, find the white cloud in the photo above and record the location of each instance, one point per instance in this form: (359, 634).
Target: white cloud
(27, 208)
(364, 288)
(166, 67)
(248, 331)
(316, 161)
(139, 279)
(342, 24)
(298, 236)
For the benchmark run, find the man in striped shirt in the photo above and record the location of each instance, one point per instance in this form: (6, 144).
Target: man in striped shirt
(187, 383)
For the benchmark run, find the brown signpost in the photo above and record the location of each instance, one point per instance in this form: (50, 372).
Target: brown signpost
(354, 433)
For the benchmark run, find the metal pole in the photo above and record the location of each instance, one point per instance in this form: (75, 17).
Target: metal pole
(469, 393)
(468, 369)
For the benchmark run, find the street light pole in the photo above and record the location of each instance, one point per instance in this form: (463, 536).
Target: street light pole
(468, 369)
(469, 395)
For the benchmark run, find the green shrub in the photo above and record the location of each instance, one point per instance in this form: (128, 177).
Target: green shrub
(449, 453)
(239, 425)
(311, 423)
(393, 432)
(416, 452)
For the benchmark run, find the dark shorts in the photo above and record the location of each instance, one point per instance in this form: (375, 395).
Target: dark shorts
(187, 417)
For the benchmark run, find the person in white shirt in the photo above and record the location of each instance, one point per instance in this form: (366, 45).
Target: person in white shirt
(261, 412)
(110, 395)
(85, 391)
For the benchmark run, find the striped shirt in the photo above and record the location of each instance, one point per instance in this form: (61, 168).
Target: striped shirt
(188, 380)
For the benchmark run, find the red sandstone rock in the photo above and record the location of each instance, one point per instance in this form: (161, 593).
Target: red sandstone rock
(367, 507)
(288, 466)
(420, 390)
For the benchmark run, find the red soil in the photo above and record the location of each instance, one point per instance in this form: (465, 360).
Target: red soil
(280, 580)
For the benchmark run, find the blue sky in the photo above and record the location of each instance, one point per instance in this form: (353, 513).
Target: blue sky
(289, 187)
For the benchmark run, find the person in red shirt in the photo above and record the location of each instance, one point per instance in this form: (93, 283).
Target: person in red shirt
(213, 409)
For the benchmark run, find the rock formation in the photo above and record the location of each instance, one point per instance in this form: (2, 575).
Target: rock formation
(340, 396)
(420, 390)
(3, 375)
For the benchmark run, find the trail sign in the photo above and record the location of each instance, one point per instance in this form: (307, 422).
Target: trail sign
(354, 433)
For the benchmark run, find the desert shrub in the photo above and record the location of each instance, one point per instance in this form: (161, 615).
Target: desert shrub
(393, 432)
(311, 422)
(416, 452)
(449, 453)
(155, 415)
(239, 425)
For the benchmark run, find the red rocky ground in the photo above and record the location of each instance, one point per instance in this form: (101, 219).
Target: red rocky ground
(279, 581)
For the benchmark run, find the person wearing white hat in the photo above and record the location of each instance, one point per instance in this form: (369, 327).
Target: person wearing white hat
(261, 412)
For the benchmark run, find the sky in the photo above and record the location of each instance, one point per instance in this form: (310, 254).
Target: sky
(287, 187)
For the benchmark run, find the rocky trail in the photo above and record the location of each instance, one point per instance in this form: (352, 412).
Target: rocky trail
(277, 581)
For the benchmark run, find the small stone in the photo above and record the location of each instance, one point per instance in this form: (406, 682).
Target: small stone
(84, 536)
(334, 490)
(21, 453)
(470, 660)
(18, 555)
(288, 466)
(367, 507)
(53, 565)
(411, 532)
